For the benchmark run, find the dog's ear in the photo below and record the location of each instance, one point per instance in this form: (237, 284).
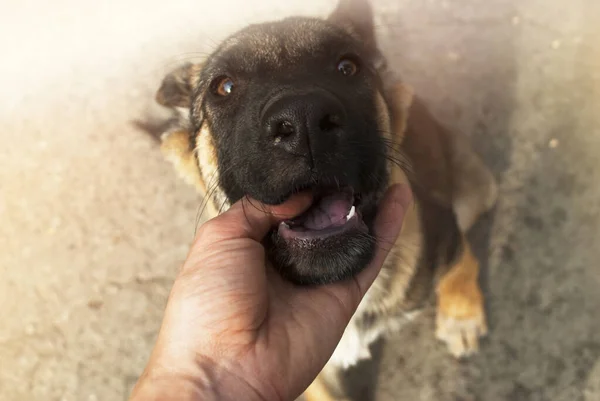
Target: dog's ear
(177, 87)
(356, 17)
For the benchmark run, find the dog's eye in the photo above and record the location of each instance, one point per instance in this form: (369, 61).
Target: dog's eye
(224, 86)
(347, 67)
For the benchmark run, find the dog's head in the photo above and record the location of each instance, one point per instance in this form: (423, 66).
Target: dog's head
(289, 106)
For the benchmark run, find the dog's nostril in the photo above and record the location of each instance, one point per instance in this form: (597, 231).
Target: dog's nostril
(330, 122)
(284, 128)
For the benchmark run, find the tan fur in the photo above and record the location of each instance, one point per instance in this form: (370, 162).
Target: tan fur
(460, 315)
(208, 164)
(390, 287)
(456, 177)
(200, 171)
(176, 148)
(318, 391)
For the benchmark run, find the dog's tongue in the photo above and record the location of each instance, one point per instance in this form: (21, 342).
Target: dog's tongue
(330, 211)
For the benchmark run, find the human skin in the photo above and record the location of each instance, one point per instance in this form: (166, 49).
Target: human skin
(234, 329)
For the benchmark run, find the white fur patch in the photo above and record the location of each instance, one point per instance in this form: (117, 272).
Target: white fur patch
(355, 343)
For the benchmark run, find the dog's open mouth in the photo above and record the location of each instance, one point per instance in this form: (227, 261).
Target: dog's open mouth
(331, 213)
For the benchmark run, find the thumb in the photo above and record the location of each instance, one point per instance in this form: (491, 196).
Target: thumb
(249, 218)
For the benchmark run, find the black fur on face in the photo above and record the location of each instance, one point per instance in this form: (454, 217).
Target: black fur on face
(292, 106)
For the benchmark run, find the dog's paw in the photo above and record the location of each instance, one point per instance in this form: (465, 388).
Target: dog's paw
(461, 335)
(460, 317)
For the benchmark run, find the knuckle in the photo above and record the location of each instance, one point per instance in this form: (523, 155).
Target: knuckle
(210, 231)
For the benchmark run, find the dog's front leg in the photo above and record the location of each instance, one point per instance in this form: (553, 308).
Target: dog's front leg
(460, 311)
(352, 348)
(327, 386)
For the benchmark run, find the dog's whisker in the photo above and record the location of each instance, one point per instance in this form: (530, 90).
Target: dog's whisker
(207, 198)
(212, 187)
(262, 129)
(222, 206)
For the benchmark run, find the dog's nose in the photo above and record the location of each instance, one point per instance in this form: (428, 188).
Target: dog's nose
(303, 124)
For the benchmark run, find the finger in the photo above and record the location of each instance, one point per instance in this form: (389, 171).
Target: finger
(348, 294)
(387, 226)
(249, 218)
(332, 306)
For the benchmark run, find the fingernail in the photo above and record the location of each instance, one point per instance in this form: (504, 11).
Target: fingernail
(294, 206)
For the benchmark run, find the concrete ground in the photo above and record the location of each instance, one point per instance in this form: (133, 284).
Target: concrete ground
(94, 224)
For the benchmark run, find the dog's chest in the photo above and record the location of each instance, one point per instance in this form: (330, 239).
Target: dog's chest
(362, 331)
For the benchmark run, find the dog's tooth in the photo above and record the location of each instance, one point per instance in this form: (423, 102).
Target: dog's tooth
(351, 213)
(284, 224)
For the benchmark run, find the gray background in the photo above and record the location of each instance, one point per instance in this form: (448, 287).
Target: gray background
(94, 224)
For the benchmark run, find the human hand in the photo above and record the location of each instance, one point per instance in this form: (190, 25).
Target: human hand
(234, 329)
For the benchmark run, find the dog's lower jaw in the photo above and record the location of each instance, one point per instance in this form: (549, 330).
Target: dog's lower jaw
(313, 256)
(321, 262)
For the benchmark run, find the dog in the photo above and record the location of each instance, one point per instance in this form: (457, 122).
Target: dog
(310, 104)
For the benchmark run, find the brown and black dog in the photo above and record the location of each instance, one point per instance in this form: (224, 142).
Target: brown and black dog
(309, 104)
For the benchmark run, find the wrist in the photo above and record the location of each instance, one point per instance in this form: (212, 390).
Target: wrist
(208, 382)
(156, 385)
